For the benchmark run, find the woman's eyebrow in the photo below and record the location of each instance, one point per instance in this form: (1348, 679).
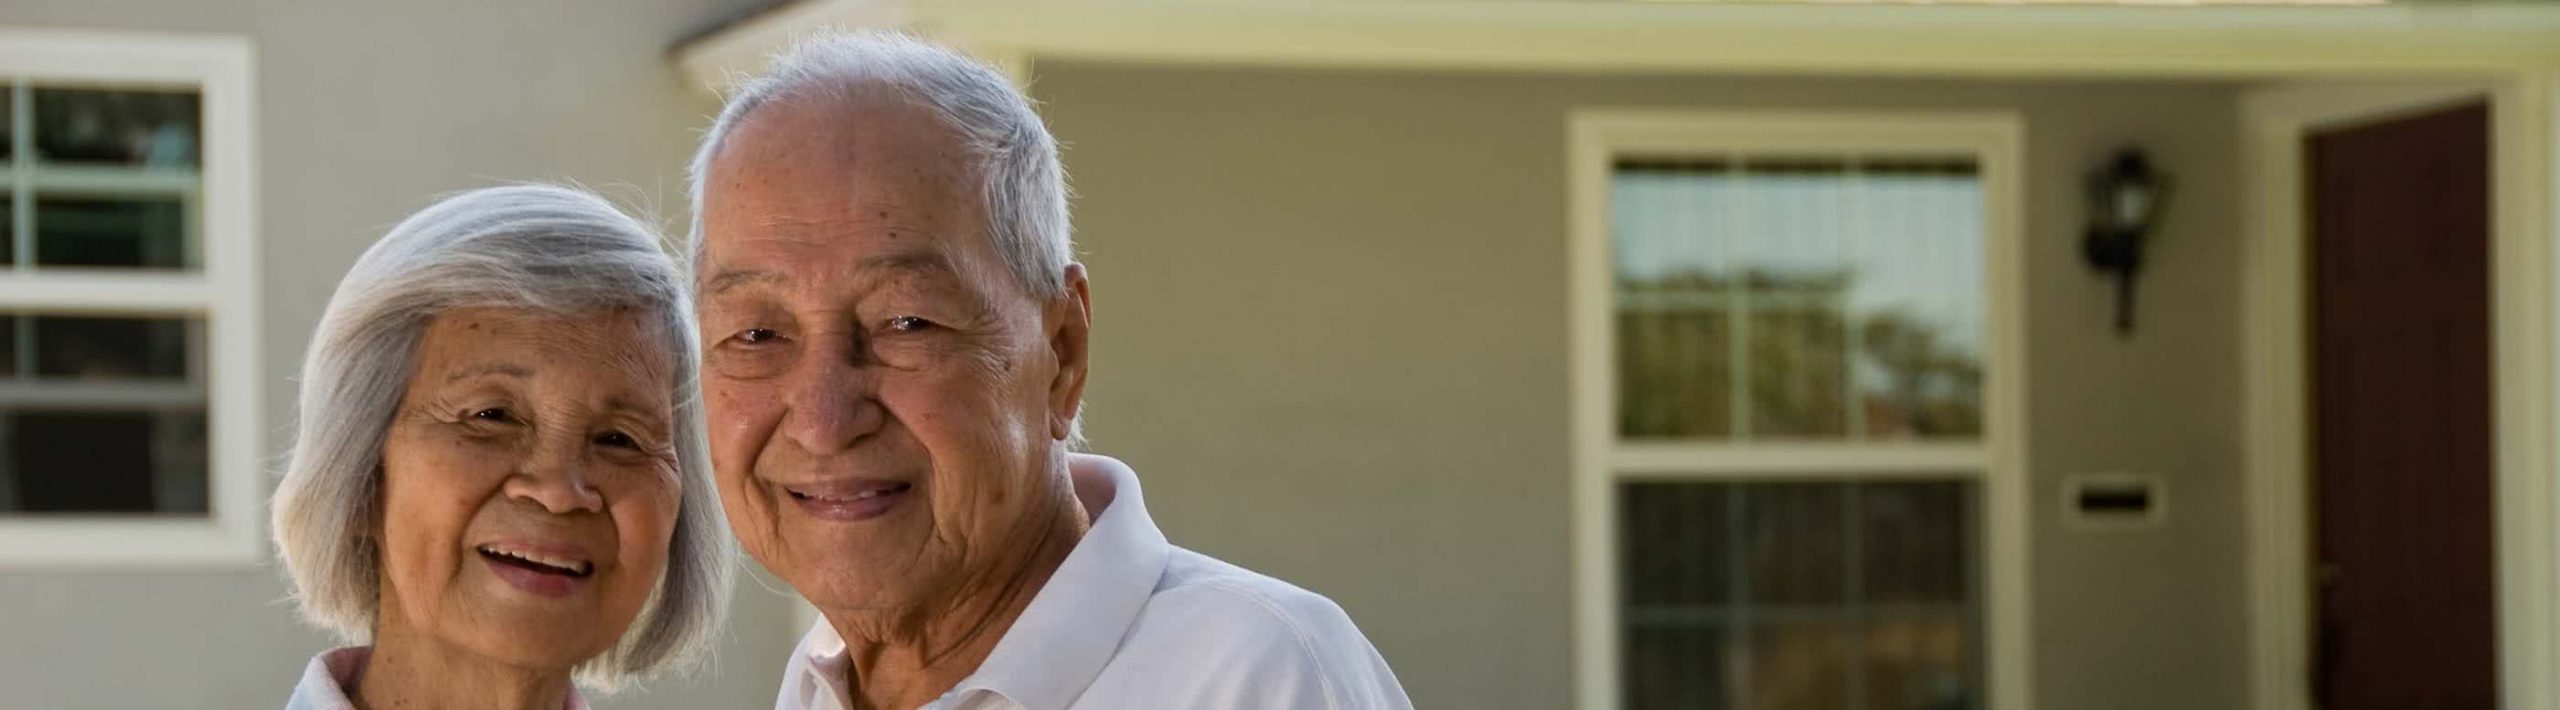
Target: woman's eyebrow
(618, 404)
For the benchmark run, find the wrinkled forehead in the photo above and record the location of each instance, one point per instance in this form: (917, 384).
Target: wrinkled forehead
(806, 151)
(622, 344)
(828, 182)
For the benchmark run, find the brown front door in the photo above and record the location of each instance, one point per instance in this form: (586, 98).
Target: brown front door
(2401, 413)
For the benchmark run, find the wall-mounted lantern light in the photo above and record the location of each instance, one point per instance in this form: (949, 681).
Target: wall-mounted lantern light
(2126, 198)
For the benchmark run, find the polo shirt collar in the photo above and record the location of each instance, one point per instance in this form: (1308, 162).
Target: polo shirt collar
(1074, 625)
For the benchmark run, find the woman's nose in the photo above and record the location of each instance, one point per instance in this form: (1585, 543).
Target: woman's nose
(557, 481)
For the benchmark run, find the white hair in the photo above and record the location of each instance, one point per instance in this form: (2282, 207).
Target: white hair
(1024, 188)
(549, 249)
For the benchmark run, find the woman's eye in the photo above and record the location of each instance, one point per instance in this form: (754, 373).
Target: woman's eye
(492, 414)
(909, 324)
(617, 439)
(753, 336)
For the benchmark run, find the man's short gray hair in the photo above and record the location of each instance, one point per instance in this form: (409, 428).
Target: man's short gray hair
(1016, 159)
(548, 249)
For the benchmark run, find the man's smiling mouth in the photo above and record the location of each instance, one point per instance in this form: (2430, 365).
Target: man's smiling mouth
(849, 500)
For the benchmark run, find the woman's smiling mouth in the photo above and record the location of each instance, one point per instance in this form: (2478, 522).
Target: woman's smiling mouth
(543, 572)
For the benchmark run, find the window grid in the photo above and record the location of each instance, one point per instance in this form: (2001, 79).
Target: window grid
(198, 240)
(1739, 616)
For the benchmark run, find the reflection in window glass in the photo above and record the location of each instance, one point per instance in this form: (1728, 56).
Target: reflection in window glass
(1797, 555)
(1842, 594)
(131, 233)
(1798, 299)
(1799, 665)
(1918, 663)
(80, 461)
(1677, 667)
(1673, 536)
(79, 347)
(120, 127)
(101, 414)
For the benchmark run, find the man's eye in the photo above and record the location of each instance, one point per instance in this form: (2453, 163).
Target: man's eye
(753, 336)
(909, 324)
(497, 415)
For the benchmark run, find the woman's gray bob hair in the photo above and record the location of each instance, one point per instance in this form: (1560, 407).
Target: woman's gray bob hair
(550, 249)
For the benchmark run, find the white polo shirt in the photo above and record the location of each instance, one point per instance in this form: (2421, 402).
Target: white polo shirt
(1129, 621)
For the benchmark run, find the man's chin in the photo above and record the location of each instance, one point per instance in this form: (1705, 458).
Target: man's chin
(849, 587)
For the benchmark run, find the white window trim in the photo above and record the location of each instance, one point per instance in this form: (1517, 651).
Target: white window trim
(225, 293)
(1596, 139)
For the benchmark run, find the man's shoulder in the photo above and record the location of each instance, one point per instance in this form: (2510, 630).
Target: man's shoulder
(1236, 633)
(1200, 584)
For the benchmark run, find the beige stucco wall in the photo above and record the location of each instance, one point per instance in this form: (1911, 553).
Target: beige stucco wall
(1330, 313)
(1332, 337)
(365, 112)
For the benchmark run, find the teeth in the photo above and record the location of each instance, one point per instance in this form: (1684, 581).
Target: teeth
(863, 495)
(568, 566)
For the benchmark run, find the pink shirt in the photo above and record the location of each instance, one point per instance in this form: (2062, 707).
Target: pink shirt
(325, 682)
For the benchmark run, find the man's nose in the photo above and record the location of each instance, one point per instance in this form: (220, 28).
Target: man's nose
(833, 400)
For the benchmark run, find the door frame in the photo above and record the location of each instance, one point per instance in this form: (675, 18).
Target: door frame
(2276, 360)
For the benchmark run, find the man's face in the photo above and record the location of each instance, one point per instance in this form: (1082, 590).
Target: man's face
(886, 400)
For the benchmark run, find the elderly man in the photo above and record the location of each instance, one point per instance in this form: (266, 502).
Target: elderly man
(895, 348)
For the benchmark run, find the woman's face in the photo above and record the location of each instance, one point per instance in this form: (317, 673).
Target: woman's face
(530, 485)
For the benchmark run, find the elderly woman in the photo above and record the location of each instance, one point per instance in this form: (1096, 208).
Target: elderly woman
(499, 481)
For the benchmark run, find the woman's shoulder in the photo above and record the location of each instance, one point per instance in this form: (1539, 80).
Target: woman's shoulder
(326, 679)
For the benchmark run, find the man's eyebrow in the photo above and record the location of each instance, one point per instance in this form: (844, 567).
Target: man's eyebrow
(921, 263)
(733, 278)
(504, 369)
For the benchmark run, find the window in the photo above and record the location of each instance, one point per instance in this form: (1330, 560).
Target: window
(129, 425)
(1795, 382)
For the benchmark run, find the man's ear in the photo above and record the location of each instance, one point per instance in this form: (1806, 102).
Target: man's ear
(1070, 330)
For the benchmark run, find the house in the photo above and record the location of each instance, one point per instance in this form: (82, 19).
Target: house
(1590, 354)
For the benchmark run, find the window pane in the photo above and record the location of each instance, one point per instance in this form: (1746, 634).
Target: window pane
(124, 232)
(80, 347)
(1851, 593)
(1917, 541)
(8, 122)
(1838, 298)
(90, 461)
(1793, 227)
(1675, 373)
(1798, 378)
(122, 127)
(8, 230)
(1675, 542)
(1798, 542)
(1801, 665)
(1675, 285)
(1677, 668)
(1919, 305)
(1919, 663)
